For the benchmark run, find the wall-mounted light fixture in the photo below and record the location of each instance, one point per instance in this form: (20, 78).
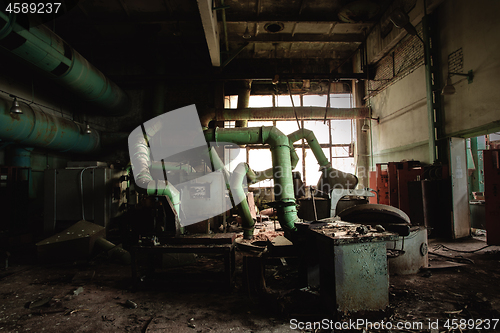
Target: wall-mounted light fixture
(88, 130)
(15, 108)
(366, 123)
(449, 89)
(365, 128)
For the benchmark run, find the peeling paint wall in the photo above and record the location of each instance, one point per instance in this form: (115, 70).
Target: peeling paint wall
(474, 109)
(473, 26)
(402, 132)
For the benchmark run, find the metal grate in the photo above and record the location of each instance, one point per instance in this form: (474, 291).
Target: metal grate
(456, 61)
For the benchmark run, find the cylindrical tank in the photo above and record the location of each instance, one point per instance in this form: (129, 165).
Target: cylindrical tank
(415, 252)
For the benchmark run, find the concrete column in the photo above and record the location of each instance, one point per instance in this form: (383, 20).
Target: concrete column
(243, 100)
(362, 146)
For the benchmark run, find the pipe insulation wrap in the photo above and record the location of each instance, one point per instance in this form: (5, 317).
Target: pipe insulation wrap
(282, 172)
(35, 128)
(330, 177)
(45, 50)
(238, 193)
(287, 113)
(141, 162)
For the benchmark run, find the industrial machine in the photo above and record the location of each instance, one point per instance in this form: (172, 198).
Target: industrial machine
(193, 180)
(89, 191)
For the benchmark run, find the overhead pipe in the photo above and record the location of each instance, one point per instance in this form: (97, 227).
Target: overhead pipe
(280, 150)
(38, 45)
(140, 156)
(330, 177)
(35, 128)
(287, 113)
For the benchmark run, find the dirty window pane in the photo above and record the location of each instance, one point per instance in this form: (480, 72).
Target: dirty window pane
(320, 130)
(341, 131)
(259, 123)
(260, 101)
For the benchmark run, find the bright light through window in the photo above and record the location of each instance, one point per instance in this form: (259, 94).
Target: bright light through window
(335, 142)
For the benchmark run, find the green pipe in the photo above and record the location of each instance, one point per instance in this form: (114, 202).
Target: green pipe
(22, 158)
(141, 162)
(219, 165)
(35, 128)
(239, 196)
(39, 46)
(309, 136)
(282, 172)
(331, 177)
(268, 173)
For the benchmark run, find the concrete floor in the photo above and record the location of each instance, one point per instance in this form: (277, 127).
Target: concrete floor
(194, 298)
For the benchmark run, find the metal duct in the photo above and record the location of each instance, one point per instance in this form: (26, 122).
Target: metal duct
(35, 128)
(287, 113)
(140, 156)
(39, 46)
(280, 149)
(330, 178)
(238, 194)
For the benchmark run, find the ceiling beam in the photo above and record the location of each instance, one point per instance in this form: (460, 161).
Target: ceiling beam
(210, 26)
(235, 76)
(308, 38)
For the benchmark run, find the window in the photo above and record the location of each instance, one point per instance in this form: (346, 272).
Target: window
(334, 136)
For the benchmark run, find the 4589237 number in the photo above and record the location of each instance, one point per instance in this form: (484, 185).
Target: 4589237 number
(33, 8)
(478, 324)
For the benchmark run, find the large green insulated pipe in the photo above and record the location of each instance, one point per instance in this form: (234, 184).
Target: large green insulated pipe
(141, 162)
(35, 128)
(39, 46)
(282, 171)
(238, 194)
(330, 177)
(268, 173)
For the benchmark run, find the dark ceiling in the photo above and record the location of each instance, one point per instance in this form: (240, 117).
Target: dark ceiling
(315, 36)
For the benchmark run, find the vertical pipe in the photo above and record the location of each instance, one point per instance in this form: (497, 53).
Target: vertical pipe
(429, 93)
(238, 194)
(21, 157)
(224, 23)
(282, 172)
(243, 101)
(362, 139)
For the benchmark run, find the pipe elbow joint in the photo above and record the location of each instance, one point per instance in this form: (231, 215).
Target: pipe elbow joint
(274, 137)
